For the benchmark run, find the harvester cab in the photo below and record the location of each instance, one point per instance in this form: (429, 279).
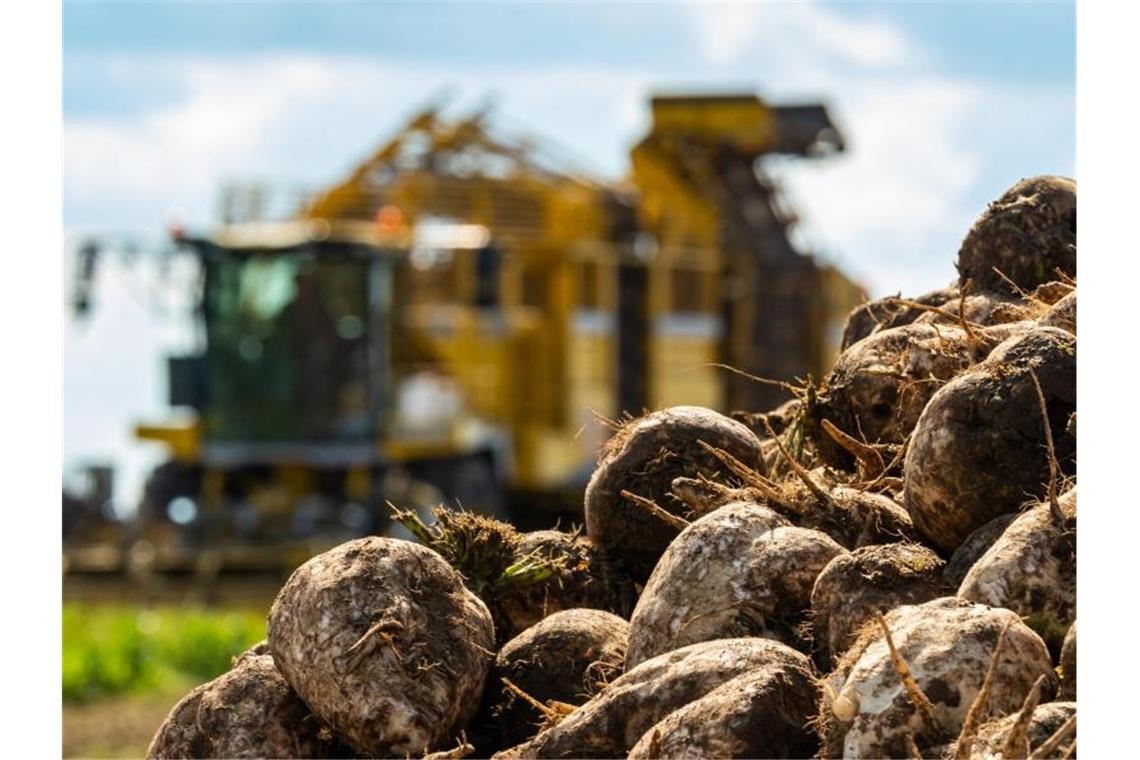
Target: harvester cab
(313, 404)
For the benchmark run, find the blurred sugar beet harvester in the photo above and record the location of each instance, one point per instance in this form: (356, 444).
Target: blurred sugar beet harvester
(443, 323)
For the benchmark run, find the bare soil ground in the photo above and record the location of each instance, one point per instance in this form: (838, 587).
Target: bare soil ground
(119, 727)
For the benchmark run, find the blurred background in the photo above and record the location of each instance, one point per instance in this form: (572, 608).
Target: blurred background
(321, 256)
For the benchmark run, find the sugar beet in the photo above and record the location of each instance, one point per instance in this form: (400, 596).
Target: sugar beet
(384, 642)
(644, 457)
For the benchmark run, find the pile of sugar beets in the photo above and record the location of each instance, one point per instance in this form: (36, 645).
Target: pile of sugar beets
(884, 566)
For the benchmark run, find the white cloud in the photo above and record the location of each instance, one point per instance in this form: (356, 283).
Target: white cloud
(311, 117)
(901, 184)
(802, 32)
(873, 44)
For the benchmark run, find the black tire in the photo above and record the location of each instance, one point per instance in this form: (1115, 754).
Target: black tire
(167, 482)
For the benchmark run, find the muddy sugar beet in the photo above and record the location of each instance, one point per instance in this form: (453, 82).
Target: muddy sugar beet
(248, 712)
(560, 662)
(1032, 569)
(382, 640)
(947, 644)
(766, 712)
(735, 572)
(610, 724)
(979, 447)
(1023, 238)
(644, 457)
(854, 586)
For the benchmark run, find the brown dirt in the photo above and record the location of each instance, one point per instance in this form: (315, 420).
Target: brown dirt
(119, 727)
(248, 712)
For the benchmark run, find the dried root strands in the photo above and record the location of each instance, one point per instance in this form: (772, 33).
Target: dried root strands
(1026, 234)
(851, 516)
(980, 705)
(984, 309)
(1023, 733)
(1016, 742)
(879, 386)
(248, 712)
(971, 457)
(390, 623)
(644, 457)
(947, 646)
(886, 313)
(1051, 746)
(739, 571)
(610, 724)
(1062, 314)
(780, 419)
(854, 587)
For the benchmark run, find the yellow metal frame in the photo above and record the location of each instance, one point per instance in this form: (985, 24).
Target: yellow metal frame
(547, 361)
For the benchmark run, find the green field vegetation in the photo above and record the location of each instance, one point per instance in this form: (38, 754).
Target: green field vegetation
(112, 650)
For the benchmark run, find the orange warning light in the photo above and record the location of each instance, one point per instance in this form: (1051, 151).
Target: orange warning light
(389, 219)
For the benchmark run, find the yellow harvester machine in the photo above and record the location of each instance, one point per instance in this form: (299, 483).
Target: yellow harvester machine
(446, 323)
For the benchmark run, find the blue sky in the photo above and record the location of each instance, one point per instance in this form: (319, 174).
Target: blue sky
(944, 106)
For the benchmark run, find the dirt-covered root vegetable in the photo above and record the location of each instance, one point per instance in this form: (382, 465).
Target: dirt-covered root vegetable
(972, 549)
(779, 419)
(852, 517)
(1032, 570)
(257, 650)
(384, 642)
(643, 457)
(523, 577)
(853, 587)
(613, 721)
(583, 577)
(985, 309)
(946, 644)
(1062, 314)
(979, 448)
(881, 384)
(885, 313)
(764, 713)
(563, 660)
(735, 572)
(1027, 234)
(248, 712)
(994, 738)
(1068, 664)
